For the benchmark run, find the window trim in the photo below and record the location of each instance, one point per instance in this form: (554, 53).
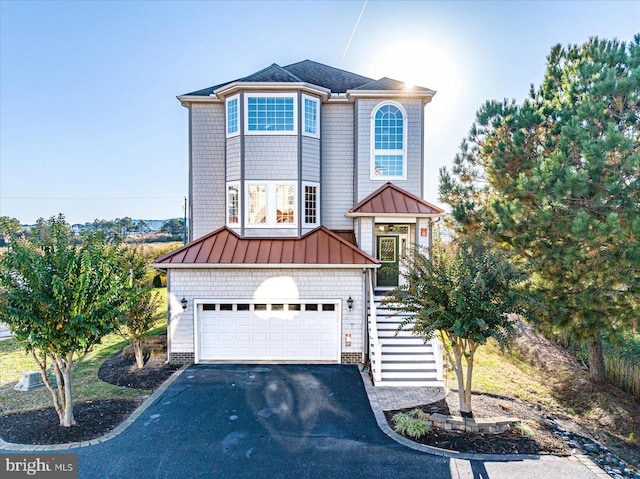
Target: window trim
(304, 111)
(374, 152)
(270, 132)
(231, 184)
(271, 204)
(303, 205)
(226, 115)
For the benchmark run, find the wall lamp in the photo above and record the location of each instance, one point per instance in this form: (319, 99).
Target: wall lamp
(350, 303)
(184, 303)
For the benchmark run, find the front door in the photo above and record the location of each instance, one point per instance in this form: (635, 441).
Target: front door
(387, 247)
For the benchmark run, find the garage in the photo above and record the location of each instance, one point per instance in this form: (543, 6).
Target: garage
(275, 331)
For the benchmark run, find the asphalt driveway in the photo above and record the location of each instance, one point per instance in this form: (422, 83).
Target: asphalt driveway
(285, 421)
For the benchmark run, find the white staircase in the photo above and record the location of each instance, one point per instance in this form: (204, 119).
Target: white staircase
(400, 357)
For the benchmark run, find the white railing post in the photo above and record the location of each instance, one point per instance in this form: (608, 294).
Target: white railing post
(375, 346)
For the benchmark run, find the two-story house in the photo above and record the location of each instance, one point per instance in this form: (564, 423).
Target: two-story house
(305, 186)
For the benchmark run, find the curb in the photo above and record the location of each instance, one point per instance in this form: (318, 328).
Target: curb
(119, 429)
(384, 426)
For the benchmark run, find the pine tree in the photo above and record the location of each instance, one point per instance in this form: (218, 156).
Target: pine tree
(557, 178)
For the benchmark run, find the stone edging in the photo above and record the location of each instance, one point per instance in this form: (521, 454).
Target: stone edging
(120, 428)
(384, 426)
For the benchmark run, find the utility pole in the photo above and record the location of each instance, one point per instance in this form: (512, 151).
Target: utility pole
(184, 236)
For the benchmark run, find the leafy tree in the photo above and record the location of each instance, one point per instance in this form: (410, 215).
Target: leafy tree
(558, 179)
(141, 312)
(173, 227)
(59, 300)
(466, 291)
(9, 228)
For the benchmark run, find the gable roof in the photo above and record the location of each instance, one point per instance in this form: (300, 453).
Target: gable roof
(391, 200)
(224, 248)
(389, 84)
(307, 71)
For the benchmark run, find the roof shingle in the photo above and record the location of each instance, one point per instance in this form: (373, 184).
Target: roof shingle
(307, 71)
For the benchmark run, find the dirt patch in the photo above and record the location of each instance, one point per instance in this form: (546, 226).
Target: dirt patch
(600, 412)
(542, 439)
(94, 418)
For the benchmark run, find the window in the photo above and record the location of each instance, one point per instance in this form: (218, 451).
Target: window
(285, 206)
(310, 204)
(271, 204)
(233, 204)
(388, 142)
(232, 116)
(271, 113)
(310, 110)
(257, 204)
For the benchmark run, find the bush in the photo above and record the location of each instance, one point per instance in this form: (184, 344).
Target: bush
(413, 424)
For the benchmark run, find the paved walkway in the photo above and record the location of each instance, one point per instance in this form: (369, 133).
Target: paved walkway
(289, 421)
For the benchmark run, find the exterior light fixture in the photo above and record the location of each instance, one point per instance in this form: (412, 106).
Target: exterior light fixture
(184, 303)
(350, 303)
(347, 340)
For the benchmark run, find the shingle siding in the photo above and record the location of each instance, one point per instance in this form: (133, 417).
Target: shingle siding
(337, 165)
(310, 159)
(267, 285)
(233, 158)
(207, 163)
(413, 183)
(271, 157)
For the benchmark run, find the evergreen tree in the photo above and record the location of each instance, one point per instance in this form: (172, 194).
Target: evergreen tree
(557, 178)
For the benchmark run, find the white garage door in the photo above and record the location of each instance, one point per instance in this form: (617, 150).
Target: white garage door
(268, 332)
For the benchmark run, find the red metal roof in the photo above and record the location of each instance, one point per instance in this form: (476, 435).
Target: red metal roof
(392, 200)
(224, 247)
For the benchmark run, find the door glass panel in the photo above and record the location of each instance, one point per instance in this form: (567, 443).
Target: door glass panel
(388, 250)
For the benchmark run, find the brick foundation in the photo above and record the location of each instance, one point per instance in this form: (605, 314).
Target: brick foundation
(181, 358)
(351, 358)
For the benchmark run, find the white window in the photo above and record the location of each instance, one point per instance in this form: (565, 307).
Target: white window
(311, 116)
(271, 204)
(285, 206)
(257, 198)
(388, 142)
(233, 204)
(311, 204)
(233, 111)
(271, 114)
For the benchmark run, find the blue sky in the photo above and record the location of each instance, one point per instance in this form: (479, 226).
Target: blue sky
(89, 122)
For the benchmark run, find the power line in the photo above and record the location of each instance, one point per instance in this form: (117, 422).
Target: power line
(88, 197)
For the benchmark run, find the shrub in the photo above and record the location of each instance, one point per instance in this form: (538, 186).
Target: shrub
(412, 424)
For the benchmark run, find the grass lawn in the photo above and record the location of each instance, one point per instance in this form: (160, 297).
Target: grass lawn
(86, 385)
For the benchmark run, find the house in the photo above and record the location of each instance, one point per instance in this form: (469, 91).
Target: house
(306, 190)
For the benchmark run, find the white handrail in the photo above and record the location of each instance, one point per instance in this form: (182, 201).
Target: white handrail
(374, 343)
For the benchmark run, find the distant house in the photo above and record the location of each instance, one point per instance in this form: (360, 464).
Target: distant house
(306, 190)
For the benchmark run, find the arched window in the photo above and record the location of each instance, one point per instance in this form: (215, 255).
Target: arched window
(388, 145)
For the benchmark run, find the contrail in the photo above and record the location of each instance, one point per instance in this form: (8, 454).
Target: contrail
(355, 28)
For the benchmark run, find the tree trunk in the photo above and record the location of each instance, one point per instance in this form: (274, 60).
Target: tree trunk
(463, 401)
(67, 419)
(137, 350)
(596, 360)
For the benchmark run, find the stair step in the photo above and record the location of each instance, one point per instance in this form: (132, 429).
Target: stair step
(409, 363)
(419, 375)
(397, 340)
(402, 348)
(408, 357)
(410, 383)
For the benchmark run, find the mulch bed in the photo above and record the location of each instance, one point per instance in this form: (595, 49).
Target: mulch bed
(122, 371)
(93, 418)
(543, 441)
